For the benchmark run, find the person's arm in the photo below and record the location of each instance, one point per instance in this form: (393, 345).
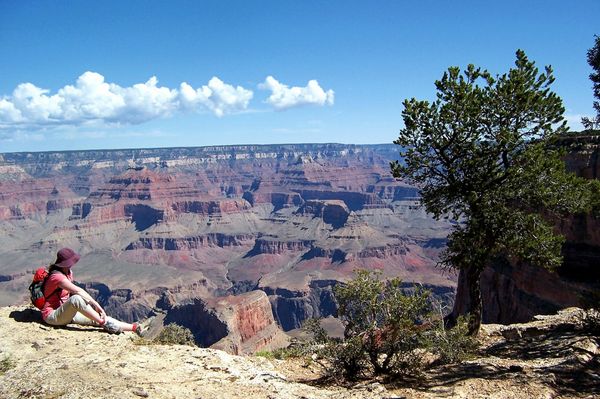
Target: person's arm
(73, 289)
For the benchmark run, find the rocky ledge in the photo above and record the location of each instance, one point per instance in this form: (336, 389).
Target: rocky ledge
(552, 357)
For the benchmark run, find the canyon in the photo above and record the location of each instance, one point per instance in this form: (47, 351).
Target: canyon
(213, 237)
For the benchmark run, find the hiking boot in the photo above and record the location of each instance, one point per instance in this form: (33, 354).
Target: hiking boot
(143, 329)
(111, 326)
(140, 330)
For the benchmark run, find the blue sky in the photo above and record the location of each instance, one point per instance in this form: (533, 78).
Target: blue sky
(79, 74)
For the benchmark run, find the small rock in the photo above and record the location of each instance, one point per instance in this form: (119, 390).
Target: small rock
(219, 368)
(512, 334)
(140, 392)
(584, 358)
(515, 368)
(376, 387)
(587, 345)
(36, 346)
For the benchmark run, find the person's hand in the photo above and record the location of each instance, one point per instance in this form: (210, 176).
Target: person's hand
(102, 312)
(99, 309)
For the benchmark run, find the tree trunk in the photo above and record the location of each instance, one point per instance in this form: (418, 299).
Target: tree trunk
(468, 299)
(476, 308)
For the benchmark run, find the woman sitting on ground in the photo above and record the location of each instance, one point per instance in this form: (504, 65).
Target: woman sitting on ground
(67, 303)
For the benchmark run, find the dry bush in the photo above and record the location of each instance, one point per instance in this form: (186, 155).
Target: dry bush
(174, 334)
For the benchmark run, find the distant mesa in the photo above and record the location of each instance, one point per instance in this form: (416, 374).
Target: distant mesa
(333, 212)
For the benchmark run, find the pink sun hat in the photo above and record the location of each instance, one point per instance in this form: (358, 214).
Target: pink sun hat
(66, 257)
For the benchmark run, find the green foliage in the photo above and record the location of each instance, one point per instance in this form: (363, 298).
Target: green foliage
(387, 331)
(6, 364)
(318, 333)
(385, 321)
(283, 353)
(482, 153)
(452, 345)
(345, 360)
(266, 354)
(593, 58)
(174, 334)
(594, 189)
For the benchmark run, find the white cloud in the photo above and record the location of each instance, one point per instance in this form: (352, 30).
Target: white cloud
(92, 99)
(217, 96)
(285, 97)
(8, 112)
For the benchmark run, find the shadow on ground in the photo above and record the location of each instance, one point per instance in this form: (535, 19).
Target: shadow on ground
(30, 315)
(574, 362)
(568, 362)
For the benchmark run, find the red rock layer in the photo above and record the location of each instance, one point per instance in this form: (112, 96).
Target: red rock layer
(188, 243)
(250, 323)
(28, 198)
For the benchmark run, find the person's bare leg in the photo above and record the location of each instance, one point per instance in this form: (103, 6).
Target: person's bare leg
(125, 326)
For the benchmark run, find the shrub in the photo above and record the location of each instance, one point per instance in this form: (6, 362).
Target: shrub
(383, 329)
(387, 331)
(282, 353)
(174, 334)
(452, 345)
(318, 333)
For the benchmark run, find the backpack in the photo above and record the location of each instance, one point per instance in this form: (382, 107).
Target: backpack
(36, 288)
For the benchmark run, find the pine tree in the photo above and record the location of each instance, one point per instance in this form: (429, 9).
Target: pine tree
(593, 58)
(482, 155)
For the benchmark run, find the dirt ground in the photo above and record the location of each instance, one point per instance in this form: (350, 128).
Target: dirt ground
(549, 358)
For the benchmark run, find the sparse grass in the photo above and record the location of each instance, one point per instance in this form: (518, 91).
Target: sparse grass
(6, 364)
(266, 354)
(281, 353)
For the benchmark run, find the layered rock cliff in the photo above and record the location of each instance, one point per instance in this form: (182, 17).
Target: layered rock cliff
(236, 218)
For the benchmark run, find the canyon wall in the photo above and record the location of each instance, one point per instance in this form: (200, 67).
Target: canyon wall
(176, 231)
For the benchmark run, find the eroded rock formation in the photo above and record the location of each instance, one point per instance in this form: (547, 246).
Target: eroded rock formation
(150, 223)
